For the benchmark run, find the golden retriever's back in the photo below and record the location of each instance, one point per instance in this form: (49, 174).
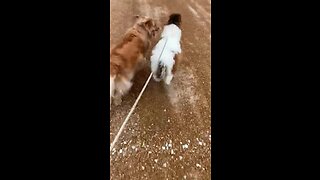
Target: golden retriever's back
(126, 55)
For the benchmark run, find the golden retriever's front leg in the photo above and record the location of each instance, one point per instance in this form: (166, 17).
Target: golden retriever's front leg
(112, 88)
(141, 63)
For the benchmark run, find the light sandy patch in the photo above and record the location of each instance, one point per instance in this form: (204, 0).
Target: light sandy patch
(201, 21)
(179, 96)
(194, 12)
(160, 11)
(152, 11)
(145, 8)
(206, 16)
(204, 13)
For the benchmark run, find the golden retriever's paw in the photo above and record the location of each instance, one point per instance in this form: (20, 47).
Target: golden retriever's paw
(117, 101)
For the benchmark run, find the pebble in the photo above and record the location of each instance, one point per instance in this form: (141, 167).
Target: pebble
(185, 146)
(172, 152)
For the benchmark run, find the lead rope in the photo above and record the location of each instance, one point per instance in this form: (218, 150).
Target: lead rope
(134, 106)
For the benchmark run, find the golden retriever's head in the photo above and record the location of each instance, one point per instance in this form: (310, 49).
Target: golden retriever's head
(149, 24)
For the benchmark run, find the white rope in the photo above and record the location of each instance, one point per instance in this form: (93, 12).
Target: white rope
(134, 106)
(131, 111)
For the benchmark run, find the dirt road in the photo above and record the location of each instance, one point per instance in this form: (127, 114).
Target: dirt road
(169, 134)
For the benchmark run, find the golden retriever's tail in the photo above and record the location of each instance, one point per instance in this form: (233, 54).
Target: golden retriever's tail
(112, 88)
(114, 71)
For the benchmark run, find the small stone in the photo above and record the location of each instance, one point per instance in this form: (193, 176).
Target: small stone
(172, 152)
(185, 146)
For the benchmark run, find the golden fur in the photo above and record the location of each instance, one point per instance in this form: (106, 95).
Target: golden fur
(129, 56)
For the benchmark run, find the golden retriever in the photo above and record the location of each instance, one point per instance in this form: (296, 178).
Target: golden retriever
(127, 57)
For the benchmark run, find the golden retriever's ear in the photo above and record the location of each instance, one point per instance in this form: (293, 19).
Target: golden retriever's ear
(148, 23)
(136, 18)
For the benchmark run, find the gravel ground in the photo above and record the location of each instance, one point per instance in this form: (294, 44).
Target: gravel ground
(169, 134)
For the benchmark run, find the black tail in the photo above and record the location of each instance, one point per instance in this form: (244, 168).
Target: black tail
(161, 71)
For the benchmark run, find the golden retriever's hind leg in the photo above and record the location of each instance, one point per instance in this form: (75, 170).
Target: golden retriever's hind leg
(123, 87)
(117, 98)
(112, 88)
